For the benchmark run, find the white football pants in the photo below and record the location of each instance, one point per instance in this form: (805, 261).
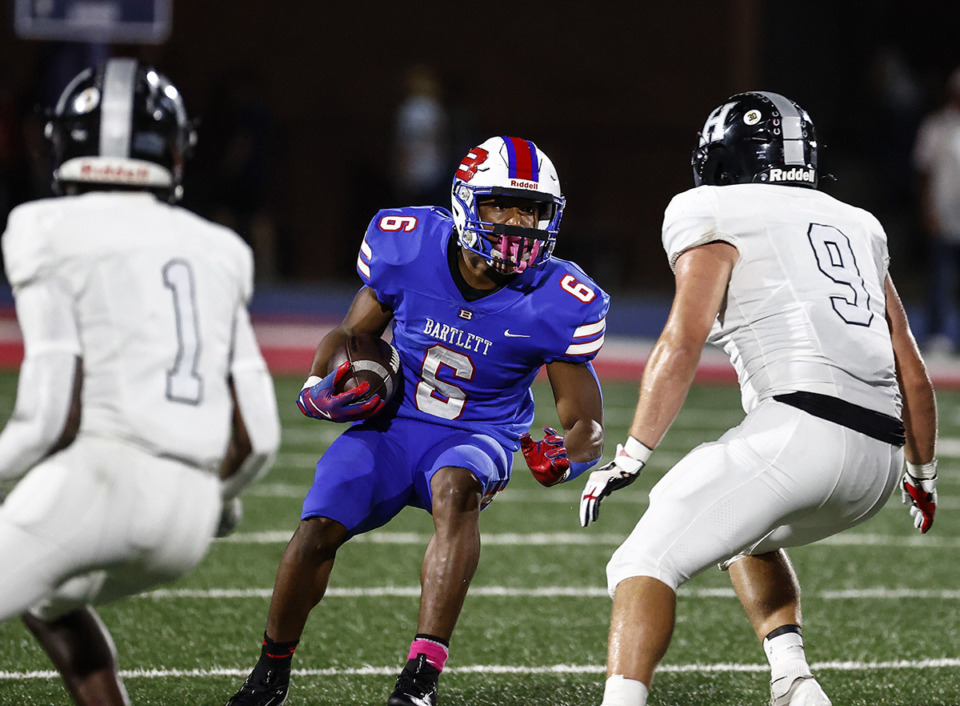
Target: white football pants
(98, 521)
(782, 478)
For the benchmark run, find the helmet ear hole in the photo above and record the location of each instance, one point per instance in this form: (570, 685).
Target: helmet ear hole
(709, 164)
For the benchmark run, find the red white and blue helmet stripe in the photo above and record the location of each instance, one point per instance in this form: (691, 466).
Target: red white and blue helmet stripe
(522, 159)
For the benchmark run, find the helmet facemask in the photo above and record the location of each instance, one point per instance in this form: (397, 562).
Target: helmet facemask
(509, 249)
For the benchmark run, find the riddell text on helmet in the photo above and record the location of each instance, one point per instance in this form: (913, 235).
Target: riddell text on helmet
(795, 174)
(116, 172)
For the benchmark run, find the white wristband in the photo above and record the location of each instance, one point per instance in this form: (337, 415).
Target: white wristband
(924, 471)
(311, 381)
(637, 449)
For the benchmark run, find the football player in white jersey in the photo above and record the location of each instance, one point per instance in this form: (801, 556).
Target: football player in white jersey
(144, 405)
(794, 286)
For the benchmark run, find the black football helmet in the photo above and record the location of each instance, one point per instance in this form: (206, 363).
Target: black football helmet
(756, 137)
(120, 125)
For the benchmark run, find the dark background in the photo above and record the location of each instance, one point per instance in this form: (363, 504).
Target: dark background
(614, 96)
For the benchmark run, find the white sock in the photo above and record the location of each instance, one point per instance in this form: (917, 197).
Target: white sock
(787, 660)
(620, 691)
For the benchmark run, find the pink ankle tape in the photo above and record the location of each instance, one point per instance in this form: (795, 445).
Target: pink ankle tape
(435, 652)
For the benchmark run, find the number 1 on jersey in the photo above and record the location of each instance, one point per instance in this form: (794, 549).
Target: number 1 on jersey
(183, 383)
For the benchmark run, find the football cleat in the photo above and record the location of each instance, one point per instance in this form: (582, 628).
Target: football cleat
(416, 685)
(804, 691)
(264, 687)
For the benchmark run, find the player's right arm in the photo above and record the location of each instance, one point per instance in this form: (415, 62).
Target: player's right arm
(393, 239)
(919, 484)
(46, 414)
(702, 276)
(366, 315)
(318, 397)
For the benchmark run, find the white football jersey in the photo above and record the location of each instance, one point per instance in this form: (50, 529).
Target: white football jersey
(805, 307)
(156, 292)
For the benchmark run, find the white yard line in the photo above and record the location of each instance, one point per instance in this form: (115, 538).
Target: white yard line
(542, 592)
(553, 496)
(851, 666)
(588, 537)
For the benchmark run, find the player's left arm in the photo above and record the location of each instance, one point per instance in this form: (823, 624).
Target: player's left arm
(46, 415)
(702, 274)
(255, 428)
(561, 457)
(576, 391)
(919, 483)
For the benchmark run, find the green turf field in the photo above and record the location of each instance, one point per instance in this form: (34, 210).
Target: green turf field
(881, 602)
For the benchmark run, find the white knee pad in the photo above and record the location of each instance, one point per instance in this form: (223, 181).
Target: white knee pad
(631, 560)
(72, 594)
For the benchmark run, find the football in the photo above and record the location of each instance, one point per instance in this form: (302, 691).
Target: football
(372, 360)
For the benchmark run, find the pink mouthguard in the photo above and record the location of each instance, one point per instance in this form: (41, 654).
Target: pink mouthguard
(516, 252)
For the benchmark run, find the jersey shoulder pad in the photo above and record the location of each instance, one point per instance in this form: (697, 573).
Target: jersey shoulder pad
(579, 308)
(231, 245)
(871, 223)
(27, 250)
(691, 219)
(398, 236)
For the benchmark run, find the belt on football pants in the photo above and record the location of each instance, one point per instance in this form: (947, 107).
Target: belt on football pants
(876, 425)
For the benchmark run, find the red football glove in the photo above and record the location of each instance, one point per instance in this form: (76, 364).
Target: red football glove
(318, 400)
(546, 459)
(919, 490)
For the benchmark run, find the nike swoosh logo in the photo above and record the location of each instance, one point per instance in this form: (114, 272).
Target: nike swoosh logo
(515, 335)
(417, 700)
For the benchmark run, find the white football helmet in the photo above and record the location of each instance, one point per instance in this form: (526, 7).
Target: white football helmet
(507, 166)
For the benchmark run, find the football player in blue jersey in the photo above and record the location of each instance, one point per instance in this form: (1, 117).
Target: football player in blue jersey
(477, 306)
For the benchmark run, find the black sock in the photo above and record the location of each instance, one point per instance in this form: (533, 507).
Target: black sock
(277, 655)
(432, 638)
(783, 630)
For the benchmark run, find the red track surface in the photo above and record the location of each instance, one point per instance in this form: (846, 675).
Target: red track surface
(288, 348)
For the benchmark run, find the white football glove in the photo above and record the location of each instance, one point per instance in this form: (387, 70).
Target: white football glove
(919, 490)
(230, 517)
(619, 473)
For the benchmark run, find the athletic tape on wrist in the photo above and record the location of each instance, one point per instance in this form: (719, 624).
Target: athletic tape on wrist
(637, 449)
(924, 471)
(311, 381)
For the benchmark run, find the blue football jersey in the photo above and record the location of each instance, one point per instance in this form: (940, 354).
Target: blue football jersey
(470, 364)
